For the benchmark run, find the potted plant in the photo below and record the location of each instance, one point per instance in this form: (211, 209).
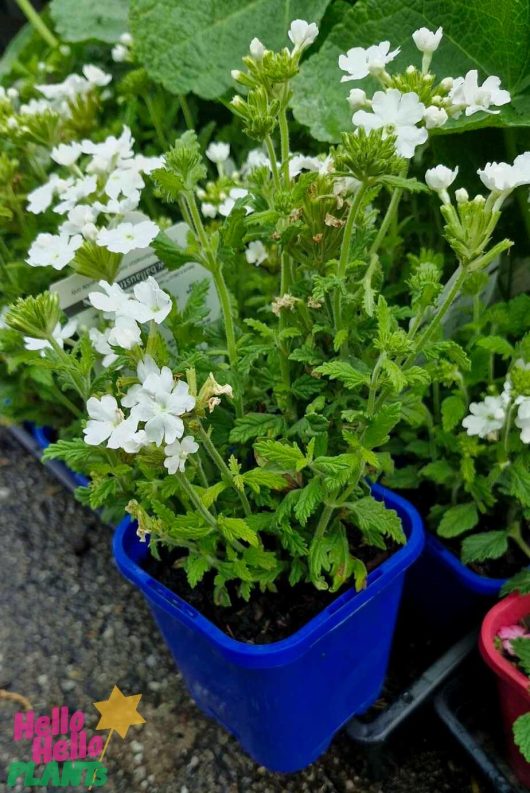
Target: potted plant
(505, 647)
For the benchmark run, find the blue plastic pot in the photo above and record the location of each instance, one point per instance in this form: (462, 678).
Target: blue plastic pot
(42, 436)
(284, 701)
(446, 592)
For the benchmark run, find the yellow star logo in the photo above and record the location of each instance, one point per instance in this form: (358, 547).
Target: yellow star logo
(119, 712)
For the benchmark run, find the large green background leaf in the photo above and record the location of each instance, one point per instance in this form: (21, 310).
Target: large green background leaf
(191, 45)
(492, 36)
(80, 20)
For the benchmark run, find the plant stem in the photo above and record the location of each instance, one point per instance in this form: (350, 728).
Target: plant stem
(373, 384)
(387, 220)
(284, 136)
(66, 402)
(222, 466)
(323, 521)
(186, 112)
(155, 119)
(274, 165)
(345, 249)
(195, 500)
(440, 314)
(37, 23)
(516, 536)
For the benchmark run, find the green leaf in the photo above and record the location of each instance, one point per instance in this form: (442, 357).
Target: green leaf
(196, 567)
(486, 545)
(496, 344)
(77, 20)
(337, 470)
(518, 477)
(520, 582)
(457, 520)
(257, 478)
(255, 425)
(237, 529)
(319, 99)
(439, 471)
(373, 518)
(380, 425)
(210, 494)
(177, 39)
(397, 378)
(345, 372)
(412, 185)
(169, 252)
(289, 457)
(310, 497)
(521, 648)
(521, 734)
(453, 411)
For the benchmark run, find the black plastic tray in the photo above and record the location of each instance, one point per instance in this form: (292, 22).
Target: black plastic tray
(467, 706)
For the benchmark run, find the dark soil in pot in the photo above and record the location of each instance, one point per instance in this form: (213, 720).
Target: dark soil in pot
(268, 616)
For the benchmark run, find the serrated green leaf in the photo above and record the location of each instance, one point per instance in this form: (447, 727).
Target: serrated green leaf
(196, 568)
(520, 582)
(237, 529)
(485, 545)
(457, 520)
(97, 19)
(309, 499)
(521, 648)
(288, 457)
(381, 424)
(257, 478)
(412, 185)
(439, 471)
(176, 38)
(521, 734)
(453, 411)
(338, 470)
(345, 373)
(496, 344)
(397, 378)
(373, 517)
(518, 478)
(254, 425)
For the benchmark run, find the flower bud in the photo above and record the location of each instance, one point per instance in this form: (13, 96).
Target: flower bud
(461, 195)
(435, 117)
(357, 98)
(447, 83)
(427, 41)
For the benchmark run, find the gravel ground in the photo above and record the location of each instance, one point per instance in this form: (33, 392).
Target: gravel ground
(71, 628)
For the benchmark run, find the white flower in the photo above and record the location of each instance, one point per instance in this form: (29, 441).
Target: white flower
(208, 210)
(228, 204)
(178, 452)
(78, 218)
(357, 98)
(467, 94)
(68, 90)
(35, 107)
(66, 153)
(523, 420)
(427, 41)
(119, 53)
(522, 165)
(435, 117)
(128, 237)
(96, 76)
(76, 192)
(107, 154)
(121, 206)
(439, 179)
(147, 164)
(360, 62)
(300, 162)
(112, 300)
(100, 342)
(157, 302)
(499, 177)
(218, 152)
(256, 158)
(485, 417)
(53, 250)
(41, 198)
(397, 113)
(257, 49)
(256, 252)
(59, 333)
(124, 180)
(107, 423)
(125, 333)
(302, 34)
(161, 409)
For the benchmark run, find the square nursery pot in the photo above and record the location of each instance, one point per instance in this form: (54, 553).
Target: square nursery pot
(513, 686)
(444, 591)
(284, 701)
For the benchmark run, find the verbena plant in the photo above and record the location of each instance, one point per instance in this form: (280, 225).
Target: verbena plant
(249, 445)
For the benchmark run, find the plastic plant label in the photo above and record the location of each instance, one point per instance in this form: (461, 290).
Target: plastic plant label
(137, 266)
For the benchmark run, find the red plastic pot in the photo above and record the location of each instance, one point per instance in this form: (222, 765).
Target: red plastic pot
(513, 686)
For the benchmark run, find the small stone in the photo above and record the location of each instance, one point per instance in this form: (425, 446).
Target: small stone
(136, 747)
(42, 680)
(154, 686)
(193, 763)
(349, 784)
(150, 661)
(68, 685)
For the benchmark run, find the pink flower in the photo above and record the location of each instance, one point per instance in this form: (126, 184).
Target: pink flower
(511, 632)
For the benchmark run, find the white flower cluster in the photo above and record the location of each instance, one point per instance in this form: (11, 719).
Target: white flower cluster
(403, 114)
(488, 417)
(158, 402)
(500, 178)
(301, 34)
(108, 184)
(147, 303)
(121, 52)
